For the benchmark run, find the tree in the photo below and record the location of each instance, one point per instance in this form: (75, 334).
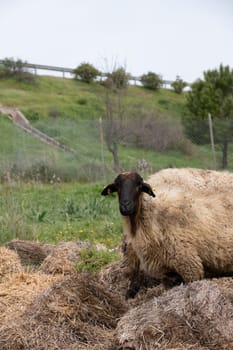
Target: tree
(151, 81)
(214, 95)
(178, 85)
(115, 109)
(86, 73)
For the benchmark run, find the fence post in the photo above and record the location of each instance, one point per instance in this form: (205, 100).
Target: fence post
(212, 140)
(102, 146)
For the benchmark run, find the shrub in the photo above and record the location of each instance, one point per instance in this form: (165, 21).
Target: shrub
(178, 85)
(119, 79)
(86, 73)
(32, 115)
(11, 68)
(2, 70)
(151, 81)
(155, 132)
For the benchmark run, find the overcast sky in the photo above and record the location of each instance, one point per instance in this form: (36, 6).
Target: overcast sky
(169, 37)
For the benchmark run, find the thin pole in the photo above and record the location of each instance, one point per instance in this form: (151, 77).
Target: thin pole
(102, 146)
(212, 140)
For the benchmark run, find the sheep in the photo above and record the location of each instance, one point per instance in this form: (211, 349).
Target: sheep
(186, 230)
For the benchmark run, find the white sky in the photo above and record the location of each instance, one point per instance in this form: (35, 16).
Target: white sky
(169, 37)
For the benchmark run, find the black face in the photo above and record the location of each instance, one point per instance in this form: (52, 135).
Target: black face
(128, 189)
(128, 186)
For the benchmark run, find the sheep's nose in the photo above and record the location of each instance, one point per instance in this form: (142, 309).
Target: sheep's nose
(125, 204)
(126, 208)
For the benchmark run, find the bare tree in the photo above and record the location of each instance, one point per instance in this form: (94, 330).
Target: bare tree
(115, 93)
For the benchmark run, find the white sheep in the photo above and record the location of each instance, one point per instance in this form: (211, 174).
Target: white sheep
(187, 229)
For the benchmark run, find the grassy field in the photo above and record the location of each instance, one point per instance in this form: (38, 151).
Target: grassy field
(59, 212)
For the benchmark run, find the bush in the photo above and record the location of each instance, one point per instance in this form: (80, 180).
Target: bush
(118, 79)
(155, 132)
(16, 69)
(86, 73)
(32, 115)
(151, 81)
(178, 85)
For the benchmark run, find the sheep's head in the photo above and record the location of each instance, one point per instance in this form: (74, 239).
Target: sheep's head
(128, 186)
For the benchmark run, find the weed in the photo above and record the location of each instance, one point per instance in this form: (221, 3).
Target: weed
(38, 215)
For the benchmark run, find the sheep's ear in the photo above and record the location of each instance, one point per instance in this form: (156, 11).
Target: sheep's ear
(147, 189)
(109, 189)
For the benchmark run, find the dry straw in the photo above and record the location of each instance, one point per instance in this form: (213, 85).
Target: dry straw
(77, 309)
(196, 316)
(63, 258)
(87, 311)
(9, 263)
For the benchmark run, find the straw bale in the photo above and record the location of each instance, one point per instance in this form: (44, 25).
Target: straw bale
(64, 257)
(9, 263)
(194, 316)
(75, 310)
(30, 252)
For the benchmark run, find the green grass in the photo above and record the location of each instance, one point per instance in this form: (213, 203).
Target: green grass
(65, 95)
(94, 260)
(60, 212)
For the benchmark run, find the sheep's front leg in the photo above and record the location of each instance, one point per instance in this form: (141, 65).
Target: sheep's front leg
(187, 265)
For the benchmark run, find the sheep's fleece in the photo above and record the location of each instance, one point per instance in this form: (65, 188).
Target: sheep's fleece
(188, 227)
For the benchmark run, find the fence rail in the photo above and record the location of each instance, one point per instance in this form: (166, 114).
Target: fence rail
(64, 70)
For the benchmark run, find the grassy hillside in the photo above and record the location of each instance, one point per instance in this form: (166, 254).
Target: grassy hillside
(69, 111)
(78, 100)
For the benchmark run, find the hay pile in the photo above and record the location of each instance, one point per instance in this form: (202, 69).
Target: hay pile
(195, 316)
(53, 259)
(64, 256)
(77, 310)
(9, 263)
(115, 276)
(19, 290)
(30, 252)
(54, 308)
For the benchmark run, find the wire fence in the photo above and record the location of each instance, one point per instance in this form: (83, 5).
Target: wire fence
(140, 145)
